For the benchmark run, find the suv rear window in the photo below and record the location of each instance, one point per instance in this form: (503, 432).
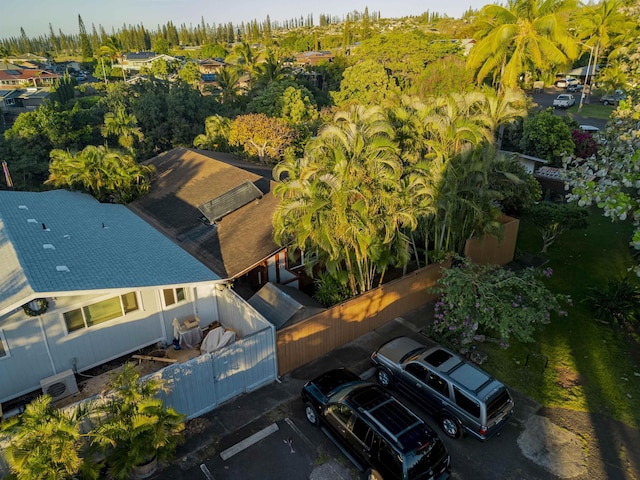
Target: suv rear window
(497, 403)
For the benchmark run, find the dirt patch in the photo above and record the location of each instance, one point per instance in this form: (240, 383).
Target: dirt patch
(196, 426)
(568, 378)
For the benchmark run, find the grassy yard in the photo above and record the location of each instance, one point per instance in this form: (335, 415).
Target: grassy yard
(591, 366)
(593, 110)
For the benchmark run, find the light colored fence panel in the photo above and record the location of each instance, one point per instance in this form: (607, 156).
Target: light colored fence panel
(191, 386)
(229, 376)
(260, 361)
(202, 383)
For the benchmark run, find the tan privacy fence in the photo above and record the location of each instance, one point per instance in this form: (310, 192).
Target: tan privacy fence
(307, 340)
(492, 249)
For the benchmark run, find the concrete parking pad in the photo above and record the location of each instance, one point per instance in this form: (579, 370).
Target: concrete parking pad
(557, 450)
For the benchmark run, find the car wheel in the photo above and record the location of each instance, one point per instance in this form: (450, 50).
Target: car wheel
(384, 377)
(312, 414)
(450, 426)
(606, 102)
(373, 474)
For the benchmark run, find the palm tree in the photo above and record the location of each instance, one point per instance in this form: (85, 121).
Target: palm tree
(111, 48)
(525, 36)
(614, 76)
(270, 71)
(46, 443)
(502, 107)
(604, 26)
(246, 58)
(138, 428)
(341, 200)
(228, 84)
(455, 123)
(122, 125)
(464, 203)
(103, 173)
(216, 134)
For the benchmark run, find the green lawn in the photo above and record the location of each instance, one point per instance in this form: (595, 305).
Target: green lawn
(593, 110)
(591, 366)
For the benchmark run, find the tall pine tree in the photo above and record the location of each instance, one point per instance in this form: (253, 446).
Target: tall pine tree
(85, 42)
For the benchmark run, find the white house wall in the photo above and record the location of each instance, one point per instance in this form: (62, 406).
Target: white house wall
(237, 314)
(28, 360)
(40, 346)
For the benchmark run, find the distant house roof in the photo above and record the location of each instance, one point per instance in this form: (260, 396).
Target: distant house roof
(26, 74)
(60, 241)
(582, 71)
(313, 58)
(140, 55)
(186, 180)
(212, 62)
(282, 305)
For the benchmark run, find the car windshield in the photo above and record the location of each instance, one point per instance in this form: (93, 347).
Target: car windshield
(412, 354)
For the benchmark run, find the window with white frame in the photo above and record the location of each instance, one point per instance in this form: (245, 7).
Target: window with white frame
(100, 312)
(4, 349)
(174, 295)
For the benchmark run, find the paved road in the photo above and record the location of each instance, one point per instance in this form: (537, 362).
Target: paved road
(545, 100)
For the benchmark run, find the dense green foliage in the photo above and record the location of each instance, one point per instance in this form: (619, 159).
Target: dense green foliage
(484, 299)
(45, 443)
(547, 136)
(552, 219)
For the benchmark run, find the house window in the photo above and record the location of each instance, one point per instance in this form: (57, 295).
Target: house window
(4, 350)
(100, 312)
(174, 295)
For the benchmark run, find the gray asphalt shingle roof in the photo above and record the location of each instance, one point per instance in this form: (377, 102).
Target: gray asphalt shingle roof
(103, 246)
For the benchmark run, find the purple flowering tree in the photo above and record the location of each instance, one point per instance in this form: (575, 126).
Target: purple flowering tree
(493, 301)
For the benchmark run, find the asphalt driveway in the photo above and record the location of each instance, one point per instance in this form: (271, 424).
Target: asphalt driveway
(538, 443)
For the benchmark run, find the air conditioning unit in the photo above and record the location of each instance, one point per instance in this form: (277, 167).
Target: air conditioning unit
(59, 386)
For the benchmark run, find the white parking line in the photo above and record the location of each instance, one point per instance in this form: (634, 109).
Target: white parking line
(298, 432)
(247, 442)
(206, 472)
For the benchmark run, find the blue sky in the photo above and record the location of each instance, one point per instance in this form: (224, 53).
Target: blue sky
(35, 15)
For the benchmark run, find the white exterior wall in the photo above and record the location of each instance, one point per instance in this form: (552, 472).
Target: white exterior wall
(40, 347)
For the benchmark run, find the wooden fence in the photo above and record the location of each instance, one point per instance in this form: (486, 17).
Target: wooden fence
(492, 249)
(313, 337)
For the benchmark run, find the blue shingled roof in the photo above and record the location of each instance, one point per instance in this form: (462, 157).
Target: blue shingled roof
(103, 246)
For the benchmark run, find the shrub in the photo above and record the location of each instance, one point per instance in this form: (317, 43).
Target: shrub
(618, 302)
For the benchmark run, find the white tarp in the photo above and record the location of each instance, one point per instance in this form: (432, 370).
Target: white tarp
(216, 339)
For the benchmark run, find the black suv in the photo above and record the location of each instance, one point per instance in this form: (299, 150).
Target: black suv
(373, 429)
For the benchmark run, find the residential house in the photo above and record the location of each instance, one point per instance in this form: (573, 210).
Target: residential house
(531, 164)
(311, 59)
(30, 60)
(209, 68)
(23, 77)
(84, 283)
(219, 212)
(15, 101)
(139, 60)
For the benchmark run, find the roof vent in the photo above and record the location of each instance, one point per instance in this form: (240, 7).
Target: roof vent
(62, 268)
(31, 220)
(23, 207)
(48, 246)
